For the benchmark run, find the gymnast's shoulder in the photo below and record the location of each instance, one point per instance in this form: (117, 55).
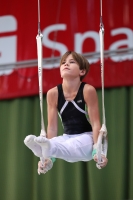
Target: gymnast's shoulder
(89, 91)
(89, 88)
(52, 95)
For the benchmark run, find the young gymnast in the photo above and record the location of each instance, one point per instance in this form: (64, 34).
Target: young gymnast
(77, 105)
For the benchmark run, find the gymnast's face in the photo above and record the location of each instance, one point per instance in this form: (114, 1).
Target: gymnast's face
(70, 68)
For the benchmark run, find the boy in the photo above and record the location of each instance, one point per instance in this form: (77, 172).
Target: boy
(77, 105)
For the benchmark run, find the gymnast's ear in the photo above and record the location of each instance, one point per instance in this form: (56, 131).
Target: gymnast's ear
(82, 72)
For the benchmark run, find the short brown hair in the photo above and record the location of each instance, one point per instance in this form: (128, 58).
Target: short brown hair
(81, 60)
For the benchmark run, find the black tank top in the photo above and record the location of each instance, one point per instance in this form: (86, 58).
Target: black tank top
(73, 113)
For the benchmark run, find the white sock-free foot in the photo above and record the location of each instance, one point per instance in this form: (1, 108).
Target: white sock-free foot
(31, 144)
(44, 144)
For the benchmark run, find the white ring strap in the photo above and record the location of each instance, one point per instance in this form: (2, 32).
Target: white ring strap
(102, 143)
(40, 76)
(39, 52)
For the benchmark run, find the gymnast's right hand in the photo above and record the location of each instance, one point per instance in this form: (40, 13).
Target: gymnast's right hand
(43, 168)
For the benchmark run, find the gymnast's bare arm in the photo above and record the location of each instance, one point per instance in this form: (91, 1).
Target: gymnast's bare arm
(52, 98)
(91, 100)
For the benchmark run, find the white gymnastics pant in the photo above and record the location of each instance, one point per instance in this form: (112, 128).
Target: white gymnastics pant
(72, 148)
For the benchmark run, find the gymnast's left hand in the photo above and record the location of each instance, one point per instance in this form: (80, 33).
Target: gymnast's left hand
(44, 167)
(103, 162)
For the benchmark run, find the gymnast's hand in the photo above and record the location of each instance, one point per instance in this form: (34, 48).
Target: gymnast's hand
(103, 162)
(44, 167)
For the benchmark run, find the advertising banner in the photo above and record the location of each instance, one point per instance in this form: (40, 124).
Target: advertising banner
(65, 25)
